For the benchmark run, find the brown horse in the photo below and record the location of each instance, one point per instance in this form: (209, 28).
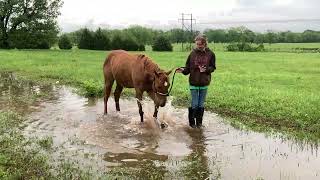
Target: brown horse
(138, 72)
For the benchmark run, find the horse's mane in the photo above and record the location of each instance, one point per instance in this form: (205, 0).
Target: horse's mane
(149, 65)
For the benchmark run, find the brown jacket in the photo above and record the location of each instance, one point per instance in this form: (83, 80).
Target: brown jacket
(200, 58)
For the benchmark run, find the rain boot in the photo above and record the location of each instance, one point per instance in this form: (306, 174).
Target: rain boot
(199, 117)
(191, 116)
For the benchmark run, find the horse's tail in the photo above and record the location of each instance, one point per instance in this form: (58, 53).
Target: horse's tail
(108, 59)
(107, 66)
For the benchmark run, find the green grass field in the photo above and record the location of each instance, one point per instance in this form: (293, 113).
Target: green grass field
(278, 90)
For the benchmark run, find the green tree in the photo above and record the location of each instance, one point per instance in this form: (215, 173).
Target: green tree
(259, 38)
(75, 36)
(86, 39)
(248, 35)
(233, 35)
(271, 37)
(310, 36)
(64, 42)
(162, 43)
(30, 21)
(141, 34)
(101, 41)
(218, 35)
(291, 37)
(240, 34)
(116, 42)
(130, 44)
(177, 36)
(126, 41)
(281, 37)
(35, 36)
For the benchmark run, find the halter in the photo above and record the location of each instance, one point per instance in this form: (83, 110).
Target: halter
(164, 94)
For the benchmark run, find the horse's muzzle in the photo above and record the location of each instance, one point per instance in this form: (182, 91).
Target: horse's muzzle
(162, 104)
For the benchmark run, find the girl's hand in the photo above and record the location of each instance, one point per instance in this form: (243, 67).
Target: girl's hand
(202, 68)
(179, 70)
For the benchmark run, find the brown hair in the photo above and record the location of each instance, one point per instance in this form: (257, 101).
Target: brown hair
(202, 38)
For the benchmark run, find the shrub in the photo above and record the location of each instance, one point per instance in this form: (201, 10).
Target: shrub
(244, 46)
(232, 47)
(126, 42)
(142, 47)
(64, 42)
(130, 44)
(162, 43)
(260, 47)
(43, 45)
(91, 88)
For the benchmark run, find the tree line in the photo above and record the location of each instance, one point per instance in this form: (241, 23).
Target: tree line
(136, 37)
(132, 39)
(33, 24)
(243, 34)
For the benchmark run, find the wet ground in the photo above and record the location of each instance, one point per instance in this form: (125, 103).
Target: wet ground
(82, 133)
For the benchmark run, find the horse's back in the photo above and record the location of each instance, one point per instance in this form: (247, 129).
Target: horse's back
(118, 57)
(122, 66)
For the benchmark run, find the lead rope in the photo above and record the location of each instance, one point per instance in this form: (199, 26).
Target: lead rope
(168, 93)
(174, 74)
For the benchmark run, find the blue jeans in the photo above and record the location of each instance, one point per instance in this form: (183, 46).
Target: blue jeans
(198, 97)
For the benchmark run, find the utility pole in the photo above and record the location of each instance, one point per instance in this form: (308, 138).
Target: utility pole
(187, 27)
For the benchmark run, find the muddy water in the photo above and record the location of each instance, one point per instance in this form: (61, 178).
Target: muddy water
(82, 133)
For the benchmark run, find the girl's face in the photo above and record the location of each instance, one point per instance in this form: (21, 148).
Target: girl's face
(200, 45)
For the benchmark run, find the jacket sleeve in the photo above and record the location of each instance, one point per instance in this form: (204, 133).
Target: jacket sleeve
(186, 70)
(212, 64)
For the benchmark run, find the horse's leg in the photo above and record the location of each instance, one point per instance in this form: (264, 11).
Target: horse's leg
(156, 107)
(139, 100)
(152, 96)
(155, 114)
(107, 90)
(117, 93)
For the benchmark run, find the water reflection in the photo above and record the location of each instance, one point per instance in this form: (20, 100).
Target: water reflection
(138, 166)
(197, 161)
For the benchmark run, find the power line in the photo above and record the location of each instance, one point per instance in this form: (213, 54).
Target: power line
(187, 25)
(262, 21)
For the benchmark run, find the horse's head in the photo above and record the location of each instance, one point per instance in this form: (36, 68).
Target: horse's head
(161, 86)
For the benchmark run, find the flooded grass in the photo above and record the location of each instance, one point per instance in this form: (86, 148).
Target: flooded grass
(22, 157)
(46, 142)
(17, 159)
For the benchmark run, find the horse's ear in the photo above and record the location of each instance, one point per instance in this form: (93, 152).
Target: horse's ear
(140, 56)
(156, 73)
(169, 72)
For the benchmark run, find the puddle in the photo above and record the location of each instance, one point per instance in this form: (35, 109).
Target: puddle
(81, 132)
(23, 96)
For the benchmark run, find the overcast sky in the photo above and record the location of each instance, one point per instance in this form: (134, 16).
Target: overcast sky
(164, 14)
